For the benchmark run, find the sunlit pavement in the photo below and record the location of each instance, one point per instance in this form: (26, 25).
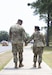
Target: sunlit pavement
(28, 68)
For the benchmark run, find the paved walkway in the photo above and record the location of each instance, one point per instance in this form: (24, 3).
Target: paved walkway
(28, 68)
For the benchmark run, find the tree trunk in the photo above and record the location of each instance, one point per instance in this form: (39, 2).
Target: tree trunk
(51, 23)
(47, 40)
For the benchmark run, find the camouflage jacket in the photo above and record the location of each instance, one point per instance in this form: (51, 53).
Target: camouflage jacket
(17, 34)
(38, 39)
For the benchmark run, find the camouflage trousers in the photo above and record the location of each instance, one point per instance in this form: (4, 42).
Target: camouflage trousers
(17, 51)
(38, 51)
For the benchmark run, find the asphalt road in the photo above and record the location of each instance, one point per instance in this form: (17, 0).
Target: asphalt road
(5, 48)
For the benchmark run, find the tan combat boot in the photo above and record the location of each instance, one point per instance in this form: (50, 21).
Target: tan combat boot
(15, 64)
(34, 65)
(39, 65)
(21, 65)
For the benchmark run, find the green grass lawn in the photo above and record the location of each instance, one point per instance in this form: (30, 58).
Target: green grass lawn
(47, 56)
(5, 58)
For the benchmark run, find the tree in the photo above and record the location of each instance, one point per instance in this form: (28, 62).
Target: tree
(50, 33)
(4, 35)
(44, 9)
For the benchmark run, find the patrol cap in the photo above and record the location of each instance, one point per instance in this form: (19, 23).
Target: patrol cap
(37, 27)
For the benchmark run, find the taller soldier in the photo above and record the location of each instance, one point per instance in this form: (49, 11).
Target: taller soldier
(17, 35)
(38, 46)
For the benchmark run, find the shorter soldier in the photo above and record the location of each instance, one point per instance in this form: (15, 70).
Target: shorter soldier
(38, 46)
(18, 36)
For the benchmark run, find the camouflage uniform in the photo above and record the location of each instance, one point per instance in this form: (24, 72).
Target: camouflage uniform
(38, 46)
(17, 35)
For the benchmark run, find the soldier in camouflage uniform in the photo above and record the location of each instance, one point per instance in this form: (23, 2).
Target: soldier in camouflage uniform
(38, 46)
(17, 35)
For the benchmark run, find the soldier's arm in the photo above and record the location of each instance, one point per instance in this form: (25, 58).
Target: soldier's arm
(24, 35)
(10, 33)
(43, 39)
(30, 38)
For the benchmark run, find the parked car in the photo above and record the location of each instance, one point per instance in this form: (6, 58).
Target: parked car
(4, 43)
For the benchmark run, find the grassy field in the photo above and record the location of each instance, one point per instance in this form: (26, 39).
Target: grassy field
(47, 56)
(5, 58)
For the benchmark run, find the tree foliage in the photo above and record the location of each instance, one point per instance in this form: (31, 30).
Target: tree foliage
(4, 35)
(42, 7)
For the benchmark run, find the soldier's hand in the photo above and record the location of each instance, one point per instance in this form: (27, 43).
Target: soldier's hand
(25, 43)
